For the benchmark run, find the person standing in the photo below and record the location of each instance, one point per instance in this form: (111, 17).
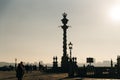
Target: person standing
(20, 71)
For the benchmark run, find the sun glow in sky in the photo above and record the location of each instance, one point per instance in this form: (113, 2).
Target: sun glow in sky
(115, 13)
(29, 29)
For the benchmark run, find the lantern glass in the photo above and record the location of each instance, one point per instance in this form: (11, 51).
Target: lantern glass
(70, 45)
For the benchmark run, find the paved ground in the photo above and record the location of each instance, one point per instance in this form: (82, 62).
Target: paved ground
(35, 75)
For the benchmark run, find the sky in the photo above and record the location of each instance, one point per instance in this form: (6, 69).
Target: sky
(30, 32)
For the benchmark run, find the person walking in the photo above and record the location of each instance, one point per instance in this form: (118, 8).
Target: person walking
(20, 71)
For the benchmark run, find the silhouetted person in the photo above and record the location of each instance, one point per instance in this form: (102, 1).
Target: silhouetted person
(20, 71)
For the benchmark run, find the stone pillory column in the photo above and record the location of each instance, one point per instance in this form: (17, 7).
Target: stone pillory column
(64, 61)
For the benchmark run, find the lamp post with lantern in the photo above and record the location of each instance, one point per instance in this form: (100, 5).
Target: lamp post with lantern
(71, 65)
(70, 47)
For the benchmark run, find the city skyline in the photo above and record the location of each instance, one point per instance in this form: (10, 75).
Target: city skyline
(29, 30)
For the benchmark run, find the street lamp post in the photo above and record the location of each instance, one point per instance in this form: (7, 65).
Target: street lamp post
(71, 70)
(70, 47)
(15, 63)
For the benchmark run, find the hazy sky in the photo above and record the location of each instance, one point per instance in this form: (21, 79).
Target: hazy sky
(29, 29)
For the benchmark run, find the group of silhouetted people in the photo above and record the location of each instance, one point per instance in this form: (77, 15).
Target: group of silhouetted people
(20, 70)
